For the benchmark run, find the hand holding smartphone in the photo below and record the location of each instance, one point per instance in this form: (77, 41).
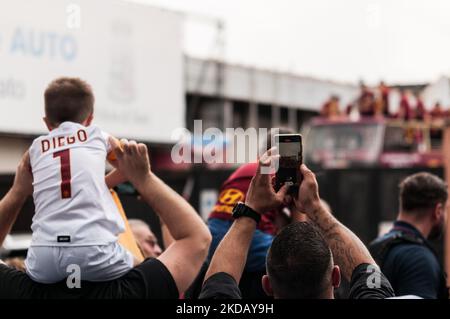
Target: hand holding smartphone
(291, 157)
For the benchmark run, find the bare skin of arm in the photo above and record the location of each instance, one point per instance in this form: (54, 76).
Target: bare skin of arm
(166, 236)
(12, 202)
(348, 250)
(192, 238)
(231, 254)
(114, 178)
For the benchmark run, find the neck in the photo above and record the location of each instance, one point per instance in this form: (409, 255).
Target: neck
(421, 225)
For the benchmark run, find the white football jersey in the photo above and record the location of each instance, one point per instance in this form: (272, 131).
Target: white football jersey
(73, 206)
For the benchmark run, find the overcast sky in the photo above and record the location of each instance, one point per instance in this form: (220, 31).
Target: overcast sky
(395, 40)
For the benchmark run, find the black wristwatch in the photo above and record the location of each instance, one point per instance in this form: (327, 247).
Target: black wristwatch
(240, 209)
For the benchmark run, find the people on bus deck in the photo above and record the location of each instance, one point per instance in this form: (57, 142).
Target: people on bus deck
(404, 253)
(384, 99)
(331, 108)
(366, 101)
(419, 112)
(404, 110)
(437, 112)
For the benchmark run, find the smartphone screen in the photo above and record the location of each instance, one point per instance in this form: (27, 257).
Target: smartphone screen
(290, 150)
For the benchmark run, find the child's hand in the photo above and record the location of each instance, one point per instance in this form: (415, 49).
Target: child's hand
(112, 157)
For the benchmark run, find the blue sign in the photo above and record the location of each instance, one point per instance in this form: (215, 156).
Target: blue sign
(42, 44)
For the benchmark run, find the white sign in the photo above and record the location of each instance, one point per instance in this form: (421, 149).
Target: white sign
(131, 55)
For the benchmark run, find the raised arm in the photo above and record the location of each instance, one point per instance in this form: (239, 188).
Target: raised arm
(231, 254)
(348, 250)
(185, 256)
(12, 202)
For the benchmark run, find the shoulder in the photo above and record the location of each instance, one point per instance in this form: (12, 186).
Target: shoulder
(368, 282)
(151, 279)
(36, 147)
(412, 254)
(94, 129)
(99, 132)
(96, 134)
(220, 286)
(413, 261)
(37, 141)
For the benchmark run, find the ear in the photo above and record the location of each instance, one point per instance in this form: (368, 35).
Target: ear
(266, 285)
(48, 123)
(88, 121)
(336, 276)
(438, 212)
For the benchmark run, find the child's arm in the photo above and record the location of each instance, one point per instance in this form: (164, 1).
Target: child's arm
(114, 178)
(13, 201)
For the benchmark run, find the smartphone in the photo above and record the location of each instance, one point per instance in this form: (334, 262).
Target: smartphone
(291, 157)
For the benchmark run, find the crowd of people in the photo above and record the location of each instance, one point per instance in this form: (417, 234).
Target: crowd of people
(376, 102)
(305, 260)
(257, 242)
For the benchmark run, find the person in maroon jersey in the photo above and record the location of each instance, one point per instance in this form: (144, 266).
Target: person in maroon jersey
(404, 110)
(366, 102)
(419, 113)
(384, 97)
(437, 112)
(233, 191)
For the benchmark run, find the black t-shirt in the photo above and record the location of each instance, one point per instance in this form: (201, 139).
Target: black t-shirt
(150, 280)
(220, 286)
(367, 283)
(413, 269)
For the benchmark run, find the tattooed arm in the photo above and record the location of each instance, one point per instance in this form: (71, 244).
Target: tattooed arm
(348, 250)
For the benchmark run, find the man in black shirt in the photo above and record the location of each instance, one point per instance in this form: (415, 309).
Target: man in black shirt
(404, 254)
(303, 259)
(165, 277)
(150, 280)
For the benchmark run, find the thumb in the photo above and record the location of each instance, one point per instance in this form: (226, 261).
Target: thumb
(281, 194)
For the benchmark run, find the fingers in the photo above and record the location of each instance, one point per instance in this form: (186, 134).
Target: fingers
(124, 146)
(265, 158)
(132, 147)
(264, 176)
(129, 147)
(116, 146)
(142, 149)
(307, 173)
(268, 162)
(269, 152)
(281, 194)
